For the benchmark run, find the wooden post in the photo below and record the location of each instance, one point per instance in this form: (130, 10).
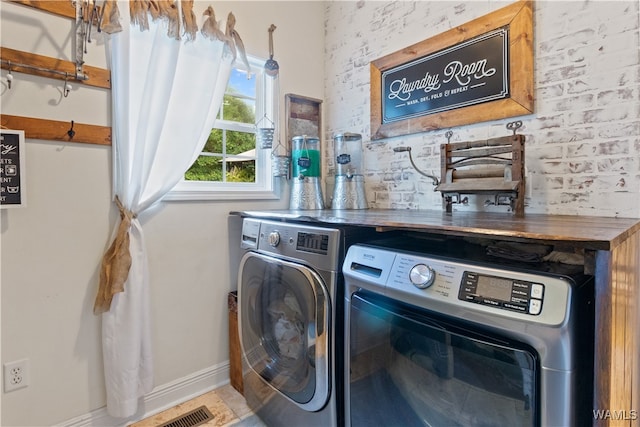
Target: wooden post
(235, 352)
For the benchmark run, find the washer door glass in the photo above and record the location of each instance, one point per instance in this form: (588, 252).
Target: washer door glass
(284, 327)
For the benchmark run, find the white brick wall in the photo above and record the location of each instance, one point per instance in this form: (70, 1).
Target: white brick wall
(582, 142)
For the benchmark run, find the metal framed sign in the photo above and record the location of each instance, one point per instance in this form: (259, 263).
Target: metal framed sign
(12, 169)
(468, 73)
(476, 72)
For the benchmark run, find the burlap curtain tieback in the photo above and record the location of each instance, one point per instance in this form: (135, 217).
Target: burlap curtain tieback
(116, 263)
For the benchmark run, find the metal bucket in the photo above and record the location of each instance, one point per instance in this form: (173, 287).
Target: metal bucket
(280, 165)
(265, 137)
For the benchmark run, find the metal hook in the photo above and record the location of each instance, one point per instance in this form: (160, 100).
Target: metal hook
(100, 14)
(9, 75)
(514, 126)
(91, 17)
(448, 134)
(71, 132)
(67, 86)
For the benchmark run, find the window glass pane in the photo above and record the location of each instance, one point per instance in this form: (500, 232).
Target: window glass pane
(240, 84)
(240, 142)
(240, 159)
(244, 171)
(241, 155)
(237, 109)
(205, 168)
(209, 168)
(239, 101)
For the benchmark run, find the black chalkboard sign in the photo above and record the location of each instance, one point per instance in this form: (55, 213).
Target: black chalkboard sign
(469, 73)
(12, 169)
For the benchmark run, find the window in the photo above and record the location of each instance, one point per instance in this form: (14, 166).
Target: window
(231, 166)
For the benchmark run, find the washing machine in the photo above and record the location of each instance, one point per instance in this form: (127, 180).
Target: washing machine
(290, 310)
(445, 339)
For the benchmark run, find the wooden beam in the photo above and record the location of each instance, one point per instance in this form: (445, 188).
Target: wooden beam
(97, 77)
(58, 7)
(54, 130)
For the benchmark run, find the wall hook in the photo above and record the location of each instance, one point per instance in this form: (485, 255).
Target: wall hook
(514, 126)
(9, 75)
(71, 132)
(448, 135)
(67, 86)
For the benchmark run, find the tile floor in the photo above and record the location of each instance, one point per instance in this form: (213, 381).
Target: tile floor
(225, 403)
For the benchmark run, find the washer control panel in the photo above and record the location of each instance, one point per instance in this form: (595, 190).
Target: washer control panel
(317, 246)
(502, 292)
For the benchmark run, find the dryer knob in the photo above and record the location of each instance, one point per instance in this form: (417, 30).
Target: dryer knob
(274, 238)
(422, 276)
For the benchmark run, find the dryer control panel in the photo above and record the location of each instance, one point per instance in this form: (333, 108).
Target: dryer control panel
(503, 292)
(457, 287)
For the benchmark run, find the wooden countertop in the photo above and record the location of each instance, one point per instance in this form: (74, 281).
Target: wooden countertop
(596, 233)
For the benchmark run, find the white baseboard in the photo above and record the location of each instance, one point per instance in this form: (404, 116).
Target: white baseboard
(160, 398)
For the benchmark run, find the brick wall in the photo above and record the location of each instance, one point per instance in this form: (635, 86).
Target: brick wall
(583, 143)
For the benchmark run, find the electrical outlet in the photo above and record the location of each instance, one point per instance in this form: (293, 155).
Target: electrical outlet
(16, 375)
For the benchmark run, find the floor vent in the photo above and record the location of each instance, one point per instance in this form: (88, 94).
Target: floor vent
(191, 419)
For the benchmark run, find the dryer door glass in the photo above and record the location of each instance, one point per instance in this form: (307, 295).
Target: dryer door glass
(411, 368)
(284, 323)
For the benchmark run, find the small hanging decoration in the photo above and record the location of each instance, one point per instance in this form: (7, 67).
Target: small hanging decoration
(264, 132)
(280, 163)
(280, 157)
(271, 67)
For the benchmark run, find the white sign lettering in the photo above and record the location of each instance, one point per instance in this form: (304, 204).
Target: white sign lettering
(463, 72)
(6, 149)
(402, 90)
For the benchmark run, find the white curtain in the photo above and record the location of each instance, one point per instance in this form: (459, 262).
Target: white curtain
(166, 94)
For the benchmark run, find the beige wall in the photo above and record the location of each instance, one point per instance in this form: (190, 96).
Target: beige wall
(51, 249)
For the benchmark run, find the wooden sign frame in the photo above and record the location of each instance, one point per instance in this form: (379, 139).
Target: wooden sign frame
(518, 19)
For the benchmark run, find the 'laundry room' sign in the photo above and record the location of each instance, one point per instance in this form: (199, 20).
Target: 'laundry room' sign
(476, 72)
(465, 74)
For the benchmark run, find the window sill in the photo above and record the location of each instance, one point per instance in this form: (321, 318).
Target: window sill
(199, 192)
(186, 195)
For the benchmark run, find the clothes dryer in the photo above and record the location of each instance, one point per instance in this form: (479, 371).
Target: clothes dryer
(437, 340)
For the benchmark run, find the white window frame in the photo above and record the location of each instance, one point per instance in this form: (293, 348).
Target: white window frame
(263, 188)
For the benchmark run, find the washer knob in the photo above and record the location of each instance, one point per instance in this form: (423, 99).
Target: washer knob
(422, 276)
(274, 238)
